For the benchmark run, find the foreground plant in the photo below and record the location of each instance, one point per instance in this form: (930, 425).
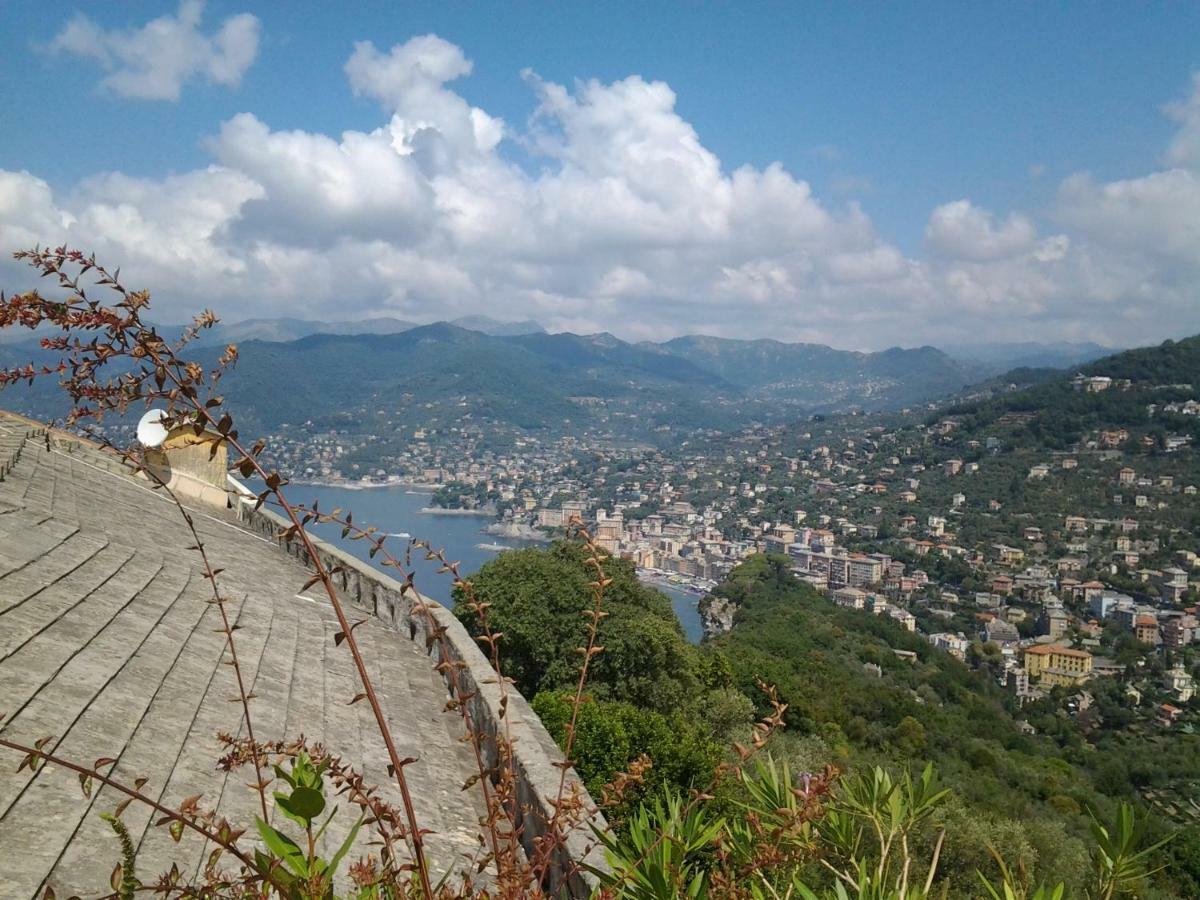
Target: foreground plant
(306, 873)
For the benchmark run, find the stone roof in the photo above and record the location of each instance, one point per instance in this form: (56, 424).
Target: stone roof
(107, 643)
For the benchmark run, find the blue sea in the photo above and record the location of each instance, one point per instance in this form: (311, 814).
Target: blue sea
(397, 510)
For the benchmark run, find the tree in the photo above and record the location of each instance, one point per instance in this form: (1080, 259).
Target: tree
(536, 602)
(609, 735)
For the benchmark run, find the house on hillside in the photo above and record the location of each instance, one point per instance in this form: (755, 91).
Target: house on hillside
(1055, 664)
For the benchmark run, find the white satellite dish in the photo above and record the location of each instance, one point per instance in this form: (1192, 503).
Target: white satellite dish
(150, 430)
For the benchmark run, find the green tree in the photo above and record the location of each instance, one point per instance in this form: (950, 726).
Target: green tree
(537, 599)
(609, 735)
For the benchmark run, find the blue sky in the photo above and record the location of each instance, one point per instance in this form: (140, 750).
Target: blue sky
(1046, 119)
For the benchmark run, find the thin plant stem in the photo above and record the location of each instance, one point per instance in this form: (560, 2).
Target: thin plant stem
(137, 795)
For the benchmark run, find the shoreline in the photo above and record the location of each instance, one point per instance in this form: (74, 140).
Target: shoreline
(689, 584)
(418, 487)
(445, 511)
(516, 531)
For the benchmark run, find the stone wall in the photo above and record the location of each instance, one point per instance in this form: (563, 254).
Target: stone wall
(535, 753)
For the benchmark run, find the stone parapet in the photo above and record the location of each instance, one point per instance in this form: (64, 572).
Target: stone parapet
(537, 759)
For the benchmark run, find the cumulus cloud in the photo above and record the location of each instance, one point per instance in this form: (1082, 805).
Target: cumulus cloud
(1157, 215)
(1184, 149)
(960, 230)
(410, 80)
(618, 218)
(153, 62)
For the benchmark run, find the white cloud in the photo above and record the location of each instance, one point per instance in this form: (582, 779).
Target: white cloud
(960, 230)
(1184, 149)
(410, 80)
(620, 219)
(1157, 215)
(153, 62)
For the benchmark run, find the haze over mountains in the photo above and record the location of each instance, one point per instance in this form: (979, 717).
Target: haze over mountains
(287, 329)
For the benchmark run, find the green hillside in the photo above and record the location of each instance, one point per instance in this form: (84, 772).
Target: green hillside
(823, 378)
(1055, 415)
(1026, 794)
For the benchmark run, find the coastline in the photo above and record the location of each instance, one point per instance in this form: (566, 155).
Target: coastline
(516, 531)
(697, 587)
(444, 511)
(368, 485)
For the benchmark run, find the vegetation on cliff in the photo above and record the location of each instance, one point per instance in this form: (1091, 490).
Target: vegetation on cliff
(861, 692)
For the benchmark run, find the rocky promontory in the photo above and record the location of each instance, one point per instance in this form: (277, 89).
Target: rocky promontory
(516, 531)
(716, 614)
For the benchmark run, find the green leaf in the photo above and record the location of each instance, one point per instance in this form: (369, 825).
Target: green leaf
(307, 803)
(267, 867)
(284, 848)
(345, 848)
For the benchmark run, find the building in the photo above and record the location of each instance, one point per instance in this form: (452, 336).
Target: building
(837, 566)
(866, 570)
(850, 598)
(1009, 555)
(1091, 384)
(1053, 622)
(1177, 631)
(1104, 603)
(1055, 664)
(1174, 584)
(954, 644)
(1167, 715)
(998, 631)
(1145, 629)
(1179, 683)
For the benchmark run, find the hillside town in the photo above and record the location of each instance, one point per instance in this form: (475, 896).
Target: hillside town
(1053, 568)
(1066, 569)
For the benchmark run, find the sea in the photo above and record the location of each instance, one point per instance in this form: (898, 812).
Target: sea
(398, 511)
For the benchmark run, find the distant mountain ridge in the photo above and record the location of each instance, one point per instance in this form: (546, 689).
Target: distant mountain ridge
(560, 381)
(291, 329)
(990, 357)
(1003, 357)
(294, 370)
(816, 375)
(497, 328)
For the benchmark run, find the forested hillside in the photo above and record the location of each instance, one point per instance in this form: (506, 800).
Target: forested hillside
(861, 692)
(1025, 794)
(1055, 414)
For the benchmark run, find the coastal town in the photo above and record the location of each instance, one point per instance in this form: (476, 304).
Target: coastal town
(1052, 567)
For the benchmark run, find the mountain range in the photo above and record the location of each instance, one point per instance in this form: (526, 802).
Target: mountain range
(293, 370)
(993, 358)
(287, 329)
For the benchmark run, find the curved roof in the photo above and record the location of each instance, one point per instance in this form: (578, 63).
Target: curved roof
(108, 644)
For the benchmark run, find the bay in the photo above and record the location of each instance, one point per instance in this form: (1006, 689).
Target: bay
(397, 510)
